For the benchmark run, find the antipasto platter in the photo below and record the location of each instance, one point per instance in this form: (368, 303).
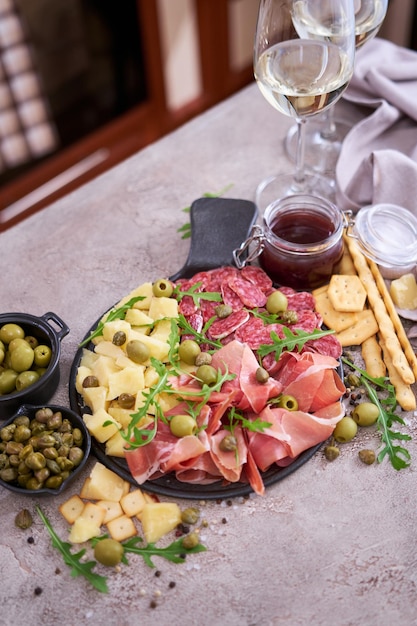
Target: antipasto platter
(234, 328)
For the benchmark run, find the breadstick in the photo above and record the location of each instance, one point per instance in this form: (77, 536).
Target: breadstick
(386, 327)
(372, 356)
(402, 336)
(404, 394)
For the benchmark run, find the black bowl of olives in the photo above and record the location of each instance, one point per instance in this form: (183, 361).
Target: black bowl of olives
(42, 449)
(30, 349)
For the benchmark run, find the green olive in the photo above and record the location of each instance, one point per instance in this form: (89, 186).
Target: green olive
(22, 357)
(32, 341)
(10, 331)
(162, 288)
(188, 351)
(2, 354)
(345, 430)
(365, 413)
(25, 379)
(8, 381)
(17, 341)
(276, 302)
(182, 425)
(288, 402)
(137, 351)
(42, 355)
(108, 552)
(207, 374)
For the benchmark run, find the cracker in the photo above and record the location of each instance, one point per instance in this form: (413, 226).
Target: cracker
(362, 329)
(347, 293)
(372, 356)
(335, 320)
(403, 392)
(346, 265)
(387, 329)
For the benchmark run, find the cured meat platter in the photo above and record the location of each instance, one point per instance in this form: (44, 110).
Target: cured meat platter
(218, 227)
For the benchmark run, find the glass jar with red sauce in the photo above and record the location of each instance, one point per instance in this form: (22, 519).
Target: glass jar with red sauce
(300, 241)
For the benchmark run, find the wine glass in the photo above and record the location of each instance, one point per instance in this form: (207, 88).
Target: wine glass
(324, 134)
(302, 75)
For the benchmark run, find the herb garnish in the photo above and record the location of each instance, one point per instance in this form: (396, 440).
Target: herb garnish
(73, 560)
(186, 228)
(174, 552)
(397, 454)
(114, 314)
(212, 296)
(291, 341)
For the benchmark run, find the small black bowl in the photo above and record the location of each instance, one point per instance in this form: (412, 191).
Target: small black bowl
(77, 422)
(44, 388)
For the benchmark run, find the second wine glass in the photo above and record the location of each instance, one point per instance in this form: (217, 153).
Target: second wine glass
(324, 134)
(301, 75)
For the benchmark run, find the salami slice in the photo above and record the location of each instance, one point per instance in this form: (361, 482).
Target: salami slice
(225, 326)
(328, 346)
(307, 320)
(231, 298)
(258, 277)
(250, 295)
(300, 301)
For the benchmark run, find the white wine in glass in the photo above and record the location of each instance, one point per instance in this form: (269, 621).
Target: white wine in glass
(325, 133)
(301, 76)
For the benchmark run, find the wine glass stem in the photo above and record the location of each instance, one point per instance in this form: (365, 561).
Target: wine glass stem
(299, 175)
(329, 131)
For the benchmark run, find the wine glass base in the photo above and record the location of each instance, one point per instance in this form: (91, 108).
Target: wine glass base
(321, 150)
(284, 185)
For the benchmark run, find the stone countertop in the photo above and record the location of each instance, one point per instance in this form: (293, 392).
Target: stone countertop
(333, 543)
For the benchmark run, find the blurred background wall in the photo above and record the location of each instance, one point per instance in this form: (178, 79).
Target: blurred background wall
(86, 83)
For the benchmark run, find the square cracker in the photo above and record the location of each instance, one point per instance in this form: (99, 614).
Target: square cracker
(335, 320)
(347, 293)
(365, 327)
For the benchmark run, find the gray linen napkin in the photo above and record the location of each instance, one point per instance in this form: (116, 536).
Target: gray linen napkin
(378, 159)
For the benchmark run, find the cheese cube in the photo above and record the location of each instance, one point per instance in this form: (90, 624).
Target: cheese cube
(403, 292)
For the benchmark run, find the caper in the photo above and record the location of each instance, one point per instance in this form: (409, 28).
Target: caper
(45, 441)
(90, 381)
(190, 515)
(53, 482)
(3, 460)
(21, 420)
(367, 456)
(55, 421)
(42, 415)
(66, 426)
(23, 469)
(162, 288)
(108, 552)
(204, 358)
(288, 402)
(42, 474)
(23, 519)
(223, 310)
(207, 374)
(22, 433)
(228, 443)
(7, 432)
(25, 451)
(182, 425)
(331, 452)
(33, 484)
(277, 302)
(13, 447)
(190, 541)
(345, 430)
(288, 317)
(353, 380)
(14, 460)
(63, 450)
(77, 436)
(188, 350)
(137, 351)
(365, 413)
(119, 338)
(67, 439)
(126, 400)
(50, 453)
(76, 455)
(53, 466)
(8, 474)
(65, 464)
(261, 375)
(35, 461)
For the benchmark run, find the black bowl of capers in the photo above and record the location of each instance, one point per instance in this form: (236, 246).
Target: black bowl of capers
(30, 349)
(42, 449)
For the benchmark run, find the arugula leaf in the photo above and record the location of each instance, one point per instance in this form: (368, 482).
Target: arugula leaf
(114, 314)
(185, 325)
(175, 552)
(398, 455)
(186, 228)
(255, 425)
(73, 560)
(291, 341)
(212, 296)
